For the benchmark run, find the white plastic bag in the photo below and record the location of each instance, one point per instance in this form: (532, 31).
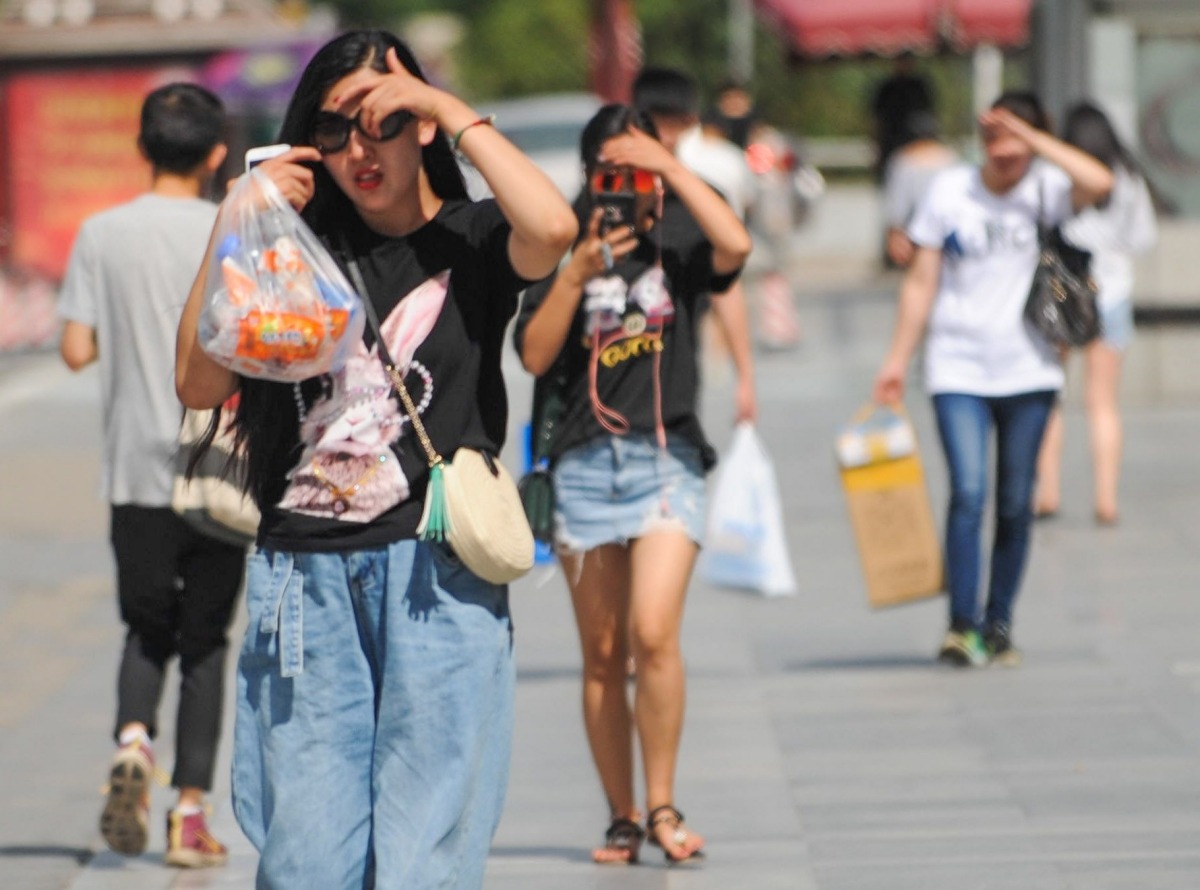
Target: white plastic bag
(745, 545)
(277, 306)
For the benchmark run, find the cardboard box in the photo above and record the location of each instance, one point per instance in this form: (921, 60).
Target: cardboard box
(898, 542)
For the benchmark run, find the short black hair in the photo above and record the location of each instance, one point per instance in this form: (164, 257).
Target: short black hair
(1027, 106)
(181, 124)
(666, 91)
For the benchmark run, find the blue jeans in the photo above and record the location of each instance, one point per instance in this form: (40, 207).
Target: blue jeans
(374, 721)
(964, 424)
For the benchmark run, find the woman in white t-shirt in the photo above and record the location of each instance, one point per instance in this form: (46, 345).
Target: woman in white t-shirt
(1115, 231)
(965, 291)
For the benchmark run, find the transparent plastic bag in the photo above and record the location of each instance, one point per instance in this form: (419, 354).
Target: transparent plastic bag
(277, 306)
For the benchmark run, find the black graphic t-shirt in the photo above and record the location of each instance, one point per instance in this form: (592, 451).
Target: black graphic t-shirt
(444, 295)
(633, 342)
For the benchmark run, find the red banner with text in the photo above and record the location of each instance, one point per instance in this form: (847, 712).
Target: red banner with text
(71, 150)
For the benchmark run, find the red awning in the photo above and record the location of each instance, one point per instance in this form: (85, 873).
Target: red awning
(998, 22)
(854, 27)
(819, 28)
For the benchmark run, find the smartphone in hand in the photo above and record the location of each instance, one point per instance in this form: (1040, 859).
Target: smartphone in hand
(256, 156)
(617, 211)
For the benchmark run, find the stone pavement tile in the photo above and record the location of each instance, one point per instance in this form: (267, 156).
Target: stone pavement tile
(1094, 839)
(109, 871)
(884, 764)
(938, 792)
(901, 845)
(53, 646)
(1065, 734)
(966, 872)
(758, 864)
(1083, 792)
(1153, 873)
(914, 808)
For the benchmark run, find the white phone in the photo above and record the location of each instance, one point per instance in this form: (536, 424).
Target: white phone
(257, 155)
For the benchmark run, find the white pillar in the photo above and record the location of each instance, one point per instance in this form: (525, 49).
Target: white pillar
(1113, 83)
(987, 75)
(741, 41)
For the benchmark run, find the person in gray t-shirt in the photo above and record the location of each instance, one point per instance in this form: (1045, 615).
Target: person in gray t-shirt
(128, 277)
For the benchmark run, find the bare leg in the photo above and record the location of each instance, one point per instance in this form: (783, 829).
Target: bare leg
(1048, 491)
(600, 594)
(1104, 424)
(661, 568)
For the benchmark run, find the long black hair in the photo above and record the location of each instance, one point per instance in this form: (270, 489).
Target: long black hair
(339, 58)
(1089, 129)
(267, 419)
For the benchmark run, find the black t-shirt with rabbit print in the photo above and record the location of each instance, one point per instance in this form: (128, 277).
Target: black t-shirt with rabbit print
(444, 295)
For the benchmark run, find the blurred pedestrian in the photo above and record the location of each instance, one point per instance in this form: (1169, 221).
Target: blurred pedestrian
(735, 113)
(617, 326)
(126, 283)
(965, 290)
(670, 99)
(705, 151)
(903, 93)
(910, 170)
(376, 681)
(1115, 231)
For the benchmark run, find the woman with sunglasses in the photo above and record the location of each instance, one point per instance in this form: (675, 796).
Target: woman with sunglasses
(376, 681)
(615, 330)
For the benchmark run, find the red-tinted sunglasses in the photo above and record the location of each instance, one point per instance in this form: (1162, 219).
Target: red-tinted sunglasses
(622, 179)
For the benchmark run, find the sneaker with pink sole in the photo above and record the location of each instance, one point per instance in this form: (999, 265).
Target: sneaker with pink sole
(190, 844)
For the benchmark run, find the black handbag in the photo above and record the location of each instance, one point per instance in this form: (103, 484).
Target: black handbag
(1062, 304)
(537, 486)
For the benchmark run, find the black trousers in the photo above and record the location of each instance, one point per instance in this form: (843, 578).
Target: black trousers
(177, 589)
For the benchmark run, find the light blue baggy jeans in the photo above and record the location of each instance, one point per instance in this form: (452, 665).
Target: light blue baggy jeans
(374, 718)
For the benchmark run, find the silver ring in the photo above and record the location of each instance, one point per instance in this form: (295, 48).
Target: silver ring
(607, 255)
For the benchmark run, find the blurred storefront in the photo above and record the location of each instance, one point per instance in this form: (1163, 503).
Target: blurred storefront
(1138, 59)
(73, 74)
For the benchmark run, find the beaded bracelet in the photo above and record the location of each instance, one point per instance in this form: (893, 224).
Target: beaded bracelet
(490, 120)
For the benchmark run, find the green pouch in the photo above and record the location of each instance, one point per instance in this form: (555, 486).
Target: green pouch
(537, 486)
(537, 495)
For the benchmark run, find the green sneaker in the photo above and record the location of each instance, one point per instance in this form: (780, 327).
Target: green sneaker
(997, 640)
(963, 649)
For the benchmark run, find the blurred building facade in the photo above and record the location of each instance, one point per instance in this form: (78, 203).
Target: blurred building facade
(73, 74)
(1139, 60)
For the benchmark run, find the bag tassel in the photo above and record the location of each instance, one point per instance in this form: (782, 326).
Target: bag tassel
(435, 524)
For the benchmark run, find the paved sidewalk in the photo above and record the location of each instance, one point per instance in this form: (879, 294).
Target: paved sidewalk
(824, 748)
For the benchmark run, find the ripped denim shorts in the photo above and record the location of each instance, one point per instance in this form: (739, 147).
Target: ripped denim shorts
(613, 489)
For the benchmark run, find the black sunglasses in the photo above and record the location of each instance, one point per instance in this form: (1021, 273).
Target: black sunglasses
(331, 131)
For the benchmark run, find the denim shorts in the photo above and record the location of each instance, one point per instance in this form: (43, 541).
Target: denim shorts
(614, 489)
(1117, 322)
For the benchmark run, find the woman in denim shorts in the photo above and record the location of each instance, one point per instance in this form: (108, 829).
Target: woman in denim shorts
(375, 684)
(615, 330)
(1115, 231)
